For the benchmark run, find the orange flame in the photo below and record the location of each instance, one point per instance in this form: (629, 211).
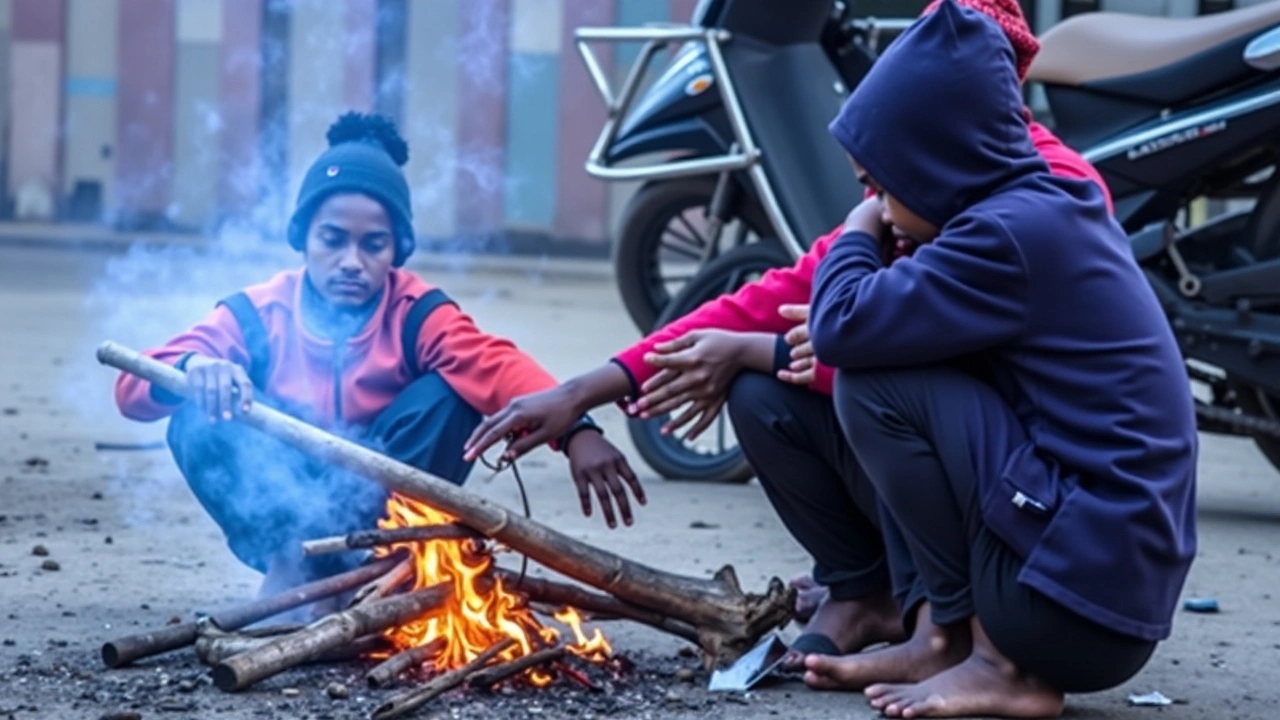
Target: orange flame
(481, 612)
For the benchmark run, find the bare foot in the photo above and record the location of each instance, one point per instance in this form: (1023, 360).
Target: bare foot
(930, 650)
(986, 684)
(852, 624)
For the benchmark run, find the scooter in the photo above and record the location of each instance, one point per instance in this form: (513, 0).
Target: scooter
(1168, 110)
(751, 74)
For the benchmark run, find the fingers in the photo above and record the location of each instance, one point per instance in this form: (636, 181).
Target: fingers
(583, 483)
(681, 343)
(797, 335)
(226, 388)
(525, 443)
(682, 419)
(489, 432)
(610, 477)
(709, 414)
(798, 313)
(668, 397)
(209, 384)
(658, 381)
(674, 360)
(803, 351)
(245, 386)
(629, 477)
(606, 507)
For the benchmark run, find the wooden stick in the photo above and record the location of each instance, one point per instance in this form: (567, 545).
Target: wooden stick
(416, 698)
(386, 672)
(728, 621)
(213, 649)
(377, 538)
(385, 585)
(562, 594)
(123, 651)
(495, 674)
(241, 671)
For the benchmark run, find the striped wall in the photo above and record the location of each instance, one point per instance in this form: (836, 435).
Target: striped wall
(191, 112)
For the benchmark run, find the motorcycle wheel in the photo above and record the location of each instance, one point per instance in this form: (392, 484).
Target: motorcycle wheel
(662, 241)
(669, 455)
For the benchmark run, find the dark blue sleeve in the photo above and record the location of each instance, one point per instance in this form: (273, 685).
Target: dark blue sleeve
(964, 292)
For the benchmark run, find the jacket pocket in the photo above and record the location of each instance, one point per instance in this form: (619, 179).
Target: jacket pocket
(1020, 504)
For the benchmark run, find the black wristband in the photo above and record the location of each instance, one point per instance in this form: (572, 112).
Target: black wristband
(584, 423)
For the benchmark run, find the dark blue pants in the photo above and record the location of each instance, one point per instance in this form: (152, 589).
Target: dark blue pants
(925, 437)
(792, 439)
(268, 497)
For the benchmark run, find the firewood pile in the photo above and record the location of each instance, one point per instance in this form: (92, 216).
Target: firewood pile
(433, 608)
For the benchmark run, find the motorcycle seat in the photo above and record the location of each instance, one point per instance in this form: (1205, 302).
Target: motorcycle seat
(1101, 46)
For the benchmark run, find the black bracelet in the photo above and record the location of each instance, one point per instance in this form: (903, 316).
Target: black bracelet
(584, 423)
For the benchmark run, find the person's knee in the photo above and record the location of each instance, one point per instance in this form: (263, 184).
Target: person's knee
(747, 394)
(426, 426)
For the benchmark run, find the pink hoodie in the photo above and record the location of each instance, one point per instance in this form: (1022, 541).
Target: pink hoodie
(349, 386)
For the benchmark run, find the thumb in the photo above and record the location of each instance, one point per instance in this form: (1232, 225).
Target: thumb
(799, 313)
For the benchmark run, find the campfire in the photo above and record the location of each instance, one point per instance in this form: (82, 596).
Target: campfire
(433, 608)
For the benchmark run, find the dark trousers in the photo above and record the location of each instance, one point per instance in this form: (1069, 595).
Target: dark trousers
(925, 437)
(792, 439)
(268, 496)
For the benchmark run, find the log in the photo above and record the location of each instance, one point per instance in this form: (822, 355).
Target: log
(121, 652)
(387, 671)
(377, 538)
(213, 649)
(385, 585)
(495, 674)
(728, 621)
(562, 594)
(408, 702)
(280, 654)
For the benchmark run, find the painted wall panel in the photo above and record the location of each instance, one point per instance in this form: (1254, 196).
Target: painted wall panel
(482, 108)
(197, 126)
(361, 22)
(90, 88)
(6, 41)
(317, 66)
(144, 167)
(535, 25)
(36, 71)
(430, 118)
(636, 13)
(582, 202)
(528, 186)
(240, 65)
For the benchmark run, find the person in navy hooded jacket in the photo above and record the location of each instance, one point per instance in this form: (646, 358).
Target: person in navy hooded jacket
(1012, 391)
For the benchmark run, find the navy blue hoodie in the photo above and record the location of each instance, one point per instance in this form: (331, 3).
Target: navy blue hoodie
(1032, 276)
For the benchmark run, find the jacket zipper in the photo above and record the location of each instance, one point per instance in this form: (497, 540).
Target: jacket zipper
(338, 347)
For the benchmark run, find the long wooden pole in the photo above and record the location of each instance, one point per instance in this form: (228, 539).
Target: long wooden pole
(727, 620)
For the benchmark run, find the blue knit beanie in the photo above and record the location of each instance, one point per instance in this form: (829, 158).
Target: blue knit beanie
(365, 156)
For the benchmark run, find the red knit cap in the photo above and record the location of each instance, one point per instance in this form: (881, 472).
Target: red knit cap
(1008, 14)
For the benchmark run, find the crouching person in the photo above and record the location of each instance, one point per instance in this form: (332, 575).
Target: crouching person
(350, 342)
(1013, 392)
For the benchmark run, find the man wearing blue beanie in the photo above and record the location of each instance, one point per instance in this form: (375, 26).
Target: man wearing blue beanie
(1012, 391)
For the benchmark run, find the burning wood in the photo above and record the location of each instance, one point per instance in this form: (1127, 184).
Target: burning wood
(123, 651)
(726, 621)
(241, 671)
(385, 585)
(378, 538)
(416, 698)
(385, 673)
(493, 675)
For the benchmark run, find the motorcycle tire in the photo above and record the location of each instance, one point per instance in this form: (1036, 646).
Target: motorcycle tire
(645, 222)
(668, 455)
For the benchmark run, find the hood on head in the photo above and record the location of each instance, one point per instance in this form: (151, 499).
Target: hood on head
(938, 122)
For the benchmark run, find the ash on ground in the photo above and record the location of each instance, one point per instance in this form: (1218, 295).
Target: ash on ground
(638, 685)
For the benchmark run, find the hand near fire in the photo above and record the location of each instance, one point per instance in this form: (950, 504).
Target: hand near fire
(801, 369)
(539, 418)
(696, 370)
(220, 389)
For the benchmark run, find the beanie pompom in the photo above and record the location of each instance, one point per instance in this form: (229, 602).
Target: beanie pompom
(376, 129)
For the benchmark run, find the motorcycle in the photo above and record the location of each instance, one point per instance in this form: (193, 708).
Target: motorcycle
(1172, 112)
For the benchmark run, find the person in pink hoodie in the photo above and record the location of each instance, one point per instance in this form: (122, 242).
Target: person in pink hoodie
(350, 342)
(749, 350)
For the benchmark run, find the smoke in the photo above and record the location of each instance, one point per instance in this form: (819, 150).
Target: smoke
(151, 293)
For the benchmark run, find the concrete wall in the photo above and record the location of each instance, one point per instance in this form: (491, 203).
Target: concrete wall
(144, 156)
(35, 80)
(90, 132)
(198, 122)
(431, 115)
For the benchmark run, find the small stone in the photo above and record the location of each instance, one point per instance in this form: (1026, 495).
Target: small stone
(108, 540)
(10, 642)
(673, 696)
(40, 551)
(121, 716)
(175, 620)
(687, 651)
(739, 698)
(685, 675)
(337, 691)
(187, 686)
(145, 606)
(50, 565)
(291, 692)
(96, 496)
